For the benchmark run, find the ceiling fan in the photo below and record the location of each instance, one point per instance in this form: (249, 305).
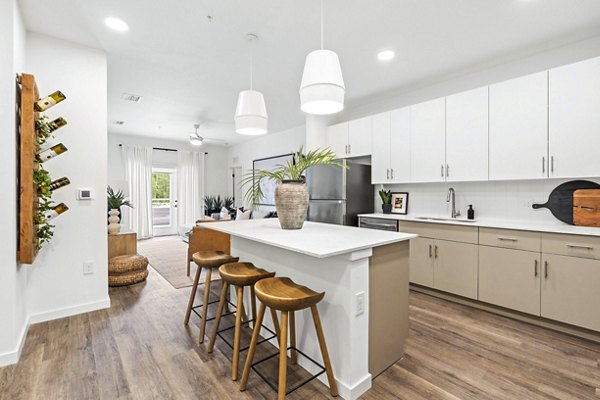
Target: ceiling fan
(198, 140)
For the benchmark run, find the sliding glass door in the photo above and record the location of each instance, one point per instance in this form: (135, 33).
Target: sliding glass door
(164, 201)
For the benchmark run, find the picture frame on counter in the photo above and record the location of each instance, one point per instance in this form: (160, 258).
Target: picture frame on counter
(400, 203)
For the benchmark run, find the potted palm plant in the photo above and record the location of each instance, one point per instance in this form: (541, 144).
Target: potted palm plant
(386, 199)
(115, 200)
(291, 194)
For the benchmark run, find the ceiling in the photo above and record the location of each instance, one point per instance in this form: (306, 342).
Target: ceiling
(189, 69)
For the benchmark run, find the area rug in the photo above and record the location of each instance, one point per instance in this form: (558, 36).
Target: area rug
(167, 255)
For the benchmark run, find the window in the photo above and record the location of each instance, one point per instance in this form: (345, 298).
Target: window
(161, 199)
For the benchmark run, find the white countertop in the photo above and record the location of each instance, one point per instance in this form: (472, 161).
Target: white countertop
(314, 239)
(557, 227)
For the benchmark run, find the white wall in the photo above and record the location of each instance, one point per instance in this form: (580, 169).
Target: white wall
(57, 286)
(13, 277)
(274, 144)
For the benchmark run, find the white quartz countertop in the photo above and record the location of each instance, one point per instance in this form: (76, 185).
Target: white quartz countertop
(314, 239)
(557, 227)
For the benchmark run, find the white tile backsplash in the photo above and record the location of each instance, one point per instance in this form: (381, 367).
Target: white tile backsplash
(508, 200)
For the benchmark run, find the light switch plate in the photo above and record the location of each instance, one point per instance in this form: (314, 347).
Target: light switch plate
(360, 303)
(88, 267)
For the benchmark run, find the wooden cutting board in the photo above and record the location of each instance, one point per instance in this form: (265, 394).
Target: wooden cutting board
(586, 207)
(560, 201)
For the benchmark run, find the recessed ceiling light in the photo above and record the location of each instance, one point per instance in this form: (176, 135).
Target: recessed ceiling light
(136, 98)
(116, 23)
(119, 122)
(386, 55)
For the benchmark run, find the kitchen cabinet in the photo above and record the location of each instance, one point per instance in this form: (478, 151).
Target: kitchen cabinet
(350, 139)
(390, 160)
(510, 278)
(518, 128)
(574, 119)
(455, 267)
(467, 136)
(570, 290)
(427, 141)
(421, 261)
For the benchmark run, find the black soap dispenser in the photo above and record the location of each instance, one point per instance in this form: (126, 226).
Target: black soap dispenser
(470, 212)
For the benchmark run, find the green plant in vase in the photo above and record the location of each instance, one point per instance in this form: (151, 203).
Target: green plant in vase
(386, 199)
(115, 200)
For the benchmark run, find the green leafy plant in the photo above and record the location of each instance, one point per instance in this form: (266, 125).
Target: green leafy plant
(116, 200)
(45, 229)
(218, 202)
(228, 202)
(386, 196)
(43, 129)
(209, 203)
(293, 171)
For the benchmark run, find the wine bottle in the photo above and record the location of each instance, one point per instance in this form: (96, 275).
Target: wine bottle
(52, 152)
(55, 184)
(49, 101)
(57, 123)
(55, 212)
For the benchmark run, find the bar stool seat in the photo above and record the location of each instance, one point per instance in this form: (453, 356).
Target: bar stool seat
(239, 275)
(205, 259)
(285, 295)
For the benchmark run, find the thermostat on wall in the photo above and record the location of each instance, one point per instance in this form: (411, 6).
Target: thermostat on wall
(85, 194)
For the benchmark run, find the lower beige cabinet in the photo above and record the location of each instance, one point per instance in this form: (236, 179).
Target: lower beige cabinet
(444, 265)
(571, 290)
(510, 278)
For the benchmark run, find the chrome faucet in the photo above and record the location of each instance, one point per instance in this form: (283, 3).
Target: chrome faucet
(452, 197)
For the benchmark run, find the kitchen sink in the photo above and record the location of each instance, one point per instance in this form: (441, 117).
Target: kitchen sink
(470, 221)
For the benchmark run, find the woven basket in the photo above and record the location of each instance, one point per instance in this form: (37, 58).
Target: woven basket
(129, 263)
(127, 278)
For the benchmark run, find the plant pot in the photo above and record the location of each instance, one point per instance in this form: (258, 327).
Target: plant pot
(113, 222)
(387, 208)
(291, 201)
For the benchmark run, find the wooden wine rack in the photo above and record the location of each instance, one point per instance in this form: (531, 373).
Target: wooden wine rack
(27, 95)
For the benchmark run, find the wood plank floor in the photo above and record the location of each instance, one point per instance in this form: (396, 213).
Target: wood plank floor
(139, 349)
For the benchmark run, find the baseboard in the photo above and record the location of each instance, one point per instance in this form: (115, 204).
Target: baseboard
(69, 311)
(354, 392)
(13, 356)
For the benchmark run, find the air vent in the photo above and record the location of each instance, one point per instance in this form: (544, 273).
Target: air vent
(131, 97)
(118, 122)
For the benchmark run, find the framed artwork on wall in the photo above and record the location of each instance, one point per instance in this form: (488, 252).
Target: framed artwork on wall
(400, 203)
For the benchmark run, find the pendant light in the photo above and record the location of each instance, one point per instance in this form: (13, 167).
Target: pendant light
(196, 139)
(322, 89)
(251, 113)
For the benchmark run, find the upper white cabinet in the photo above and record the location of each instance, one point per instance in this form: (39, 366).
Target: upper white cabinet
(351, 139)
(390, 162)
(427, 141)
(518, 147)
(574, 110)
(467, 136)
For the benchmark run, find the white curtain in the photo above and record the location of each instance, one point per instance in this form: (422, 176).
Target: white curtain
(138, 173)
(190, 188)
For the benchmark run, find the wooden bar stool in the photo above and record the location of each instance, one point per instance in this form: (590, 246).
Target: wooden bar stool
(208, 260)
(239, 275)
(288, 297)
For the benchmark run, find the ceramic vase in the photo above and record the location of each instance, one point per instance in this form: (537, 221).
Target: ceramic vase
(291, 201)
(386, 208)
(113, 222)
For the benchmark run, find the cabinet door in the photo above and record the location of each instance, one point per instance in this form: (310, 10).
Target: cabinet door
(421, 261)
(455, 269)
(570, 290)
(359, 134)
(467, 136)
(337, 139)
(400, 145)
(574, 115)
(380, 158)
(519, 128)
(510, 278)
(427, 141)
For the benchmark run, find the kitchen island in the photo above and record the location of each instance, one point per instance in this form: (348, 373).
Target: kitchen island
(365, 276)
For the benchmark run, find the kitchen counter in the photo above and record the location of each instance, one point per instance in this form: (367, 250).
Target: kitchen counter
(365, 277)
(557, 227)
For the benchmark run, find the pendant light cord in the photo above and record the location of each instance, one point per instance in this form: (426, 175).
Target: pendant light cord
(321, 24)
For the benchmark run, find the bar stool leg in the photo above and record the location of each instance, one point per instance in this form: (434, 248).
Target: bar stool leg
(222, 302)
(283, 356)
(293, 354)
(275, 324)
(236, 336)
(252, 349)
(319, 328)
(205, 305)
(188, 267)
(253, 302)
(192, 296)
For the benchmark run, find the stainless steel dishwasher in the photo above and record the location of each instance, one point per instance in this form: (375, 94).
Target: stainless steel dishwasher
(383, 224)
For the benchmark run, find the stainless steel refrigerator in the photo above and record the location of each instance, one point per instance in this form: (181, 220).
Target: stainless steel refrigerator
(338, 195)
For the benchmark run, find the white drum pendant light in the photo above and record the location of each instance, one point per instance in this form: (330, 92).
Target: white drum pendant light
(251, 112)
(322, 89)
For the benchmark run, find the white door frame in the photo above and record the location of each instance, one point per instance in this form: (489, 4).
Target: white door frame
(172, 228)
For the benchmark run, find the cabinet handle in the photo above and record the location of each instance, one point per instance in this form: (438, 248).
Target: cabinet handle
(447, 170)
(388, 173)
(442, 170)
(430, 254)
(546, 269)
(392, 173)
(349, 148)
(552, 164)
(535, 268)
(436, 251)
(543, 165)
(507, 239)
(346, 149)
(579, 246)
